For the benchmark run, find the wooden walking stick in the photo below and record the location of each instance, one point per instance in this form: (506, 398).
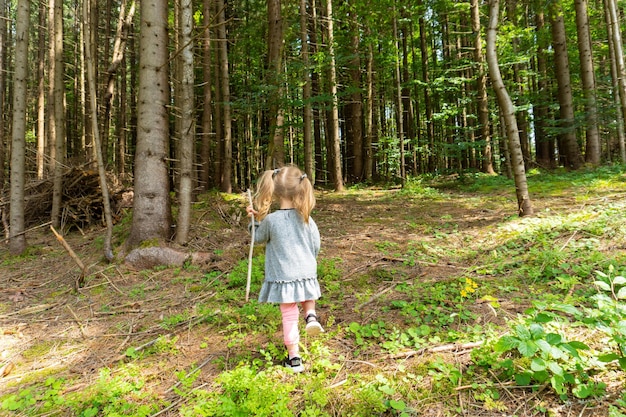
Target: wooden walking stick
(251, 249)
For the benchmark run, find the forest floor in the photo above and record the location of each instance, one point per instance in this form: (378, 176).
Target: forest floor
(383, 252)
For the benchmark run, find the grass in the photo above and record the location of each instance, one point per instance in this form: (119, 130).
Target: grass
(446, 302)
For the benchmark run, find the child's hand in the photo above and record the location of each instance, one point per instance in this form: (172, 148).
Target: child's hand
(251, 211)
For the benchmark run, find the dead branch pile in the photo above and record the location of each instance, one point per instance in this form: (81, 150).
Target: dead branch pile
(81, 201)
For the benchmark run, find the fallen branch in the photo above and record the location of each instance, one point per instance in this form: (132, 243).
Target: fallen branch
(30, 310)
(452, 347)
(81, 279)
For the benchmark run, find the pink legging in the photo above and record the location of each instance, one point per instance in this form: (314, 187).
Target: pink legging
(291, 314)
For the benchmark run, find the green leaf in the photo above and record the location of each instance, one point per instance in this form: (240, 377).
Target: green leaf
(619, 280)
(583, 390)
(522, 332)
(570, 349)
(609, 357)
(544, 318)
(538, 364)
(541, 376)
(557, 383)
(527, 348)
(506, 343)
(578, 345)
(602, 285)
(522, 379)
(555, 368)
(536, 330)
(621, 294)
(90, 412)
(544, 346)
(622, 363)
(397, 405)
(554, 338)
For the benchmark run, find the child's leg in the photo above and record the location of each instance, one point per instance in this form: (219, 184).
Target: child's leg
(313, 327)
(309, 307)
(291, 334)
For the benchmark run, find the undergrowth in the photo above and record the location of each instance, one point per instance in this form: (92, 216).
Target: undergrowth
(538, 303)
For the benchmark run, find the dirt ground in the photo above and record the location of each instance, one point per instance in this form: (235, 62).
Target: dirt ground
(47, 327)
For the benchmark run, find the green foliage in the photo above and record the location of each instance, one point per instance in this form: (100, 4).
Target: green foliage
(119, 395)
(610, 314)
(244, 391)
(546, 356)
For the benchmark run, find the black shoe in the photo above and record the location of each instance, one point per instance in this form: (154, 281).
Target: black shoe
(295, 364)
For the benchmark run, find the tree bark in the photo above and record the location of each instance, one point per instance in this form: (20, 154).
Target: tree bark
(58, 100)
(208, 133)
(544, 143)
(227, 155)
(91, 81)
(151, 205)
(508, 113)
(3, 41)
(481, 90)
(334, 151)
(399, 111)
(354, 106)
(618, 50)
(568, 147)
(307, 111)
(276, 149)
(17, 237)
(369, 113)
(588, 78)
(41, 93)
(187, 135)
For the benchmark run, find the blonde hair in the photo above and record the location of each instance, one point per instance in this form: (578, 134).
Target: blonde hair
(288, 182)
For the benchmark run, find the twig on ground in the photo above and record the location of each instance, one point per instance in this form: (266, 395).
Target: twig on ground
(197, 368)
(376, 296)
(457, 348)
(81, 279)
(112, 284)
(80, 325)
(30, 310)
(130, 332)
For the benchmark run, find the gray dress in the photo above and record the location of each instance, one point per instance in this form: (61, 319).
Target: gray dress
(291, 253)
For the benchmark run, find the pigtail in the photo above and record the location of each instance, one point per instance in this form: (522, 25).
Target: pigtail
(264, 194)
(304, 198)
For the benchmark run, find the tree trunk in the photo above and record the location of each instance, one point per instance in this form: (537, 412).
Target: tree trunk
(3, 83)
(187, 135)
(151, 206)
(41, 93)
(276, 148)
(334, 149)
(399, 111)
(17, 238)
(369, 112)
(508, 112)
(227, 141)
(481, 91)
(208, 134)
(58, 115)
(354, 106)
(91, 81)
(588, 78)
(428, 109)
(619, 115)
(124, 23)
(618, 50)
(544, 155)
(307, 116)
(569, 149)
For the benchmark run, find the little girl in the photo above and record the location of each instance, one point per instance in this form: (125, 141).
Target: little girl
(292, 245)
